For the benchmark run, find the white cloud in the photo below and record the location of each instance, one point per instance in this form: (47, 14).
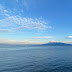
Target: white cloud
(23, 3)
(44, 37)
(19, 23)
(1, 7)
(4, 30)
(68, 42)
(7, 41)
(53, 41)
(29, 4)
(70, 37)
(4, 11)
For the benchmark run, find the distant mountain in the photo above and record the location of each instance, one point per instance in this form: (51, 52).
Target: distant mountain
(56, 44)
(47, 44)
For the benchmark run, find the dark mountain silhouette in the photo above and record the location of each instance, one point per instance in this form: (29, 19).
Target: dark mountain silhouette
(56, 44)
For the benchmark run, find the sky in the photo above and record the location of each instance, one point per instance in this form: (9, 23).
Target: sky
(35, 21)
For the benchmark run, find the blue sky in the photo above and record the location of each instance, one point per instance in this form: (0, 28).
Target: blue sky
(35, 21)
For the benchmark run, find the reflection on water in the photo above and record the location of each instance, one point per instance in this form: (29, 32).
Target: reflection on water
(36, 59)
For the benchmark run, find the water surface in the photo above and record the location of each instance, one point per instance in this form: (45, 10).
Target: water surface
(36, 59)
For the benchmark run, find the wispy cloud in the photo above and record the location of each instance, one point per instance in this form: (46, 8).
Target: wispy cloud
(29, 4)
(53, 41)
(26, 4)
(4, 31)
(69, 42)
(1, 7)
(70, 37)
(8, 41)
(19, 23)
(44, 37)
(3, 11)
(23, 42)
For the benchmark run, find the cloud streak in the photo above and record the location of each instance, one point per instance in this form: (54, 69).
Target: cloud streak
(27, 42)
(7, 41)
(44, 37)
(4, 31)
(69, 37)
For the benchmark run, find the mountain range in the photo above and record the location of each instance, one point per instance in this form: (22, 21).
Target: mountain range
(56, 44)
(47, 44)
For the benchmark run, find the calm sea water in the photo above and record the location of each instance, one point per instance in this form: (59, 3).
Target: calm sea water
(36, 59)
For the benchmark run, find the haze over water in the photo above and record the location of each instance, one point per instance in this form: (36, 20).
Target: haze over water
(36, 59)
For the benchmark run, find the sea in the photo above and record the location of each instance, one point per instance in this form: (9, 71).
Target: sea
(36, 59)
